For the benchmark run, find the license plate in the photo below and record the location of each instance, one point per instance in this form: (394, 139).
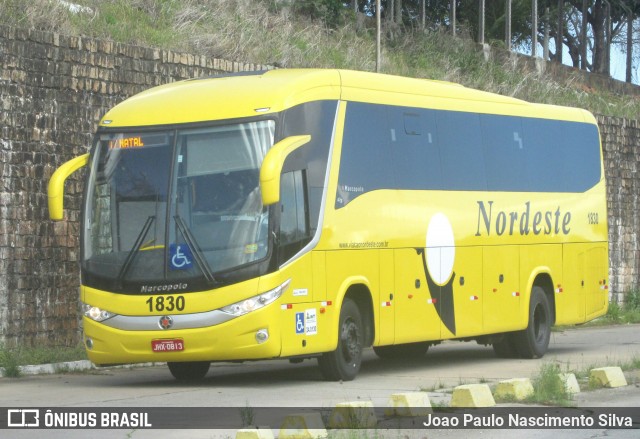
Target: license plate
(173, 345)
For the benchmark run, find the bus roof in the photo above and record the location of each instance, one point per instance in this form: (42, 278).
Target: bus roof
(253, 93)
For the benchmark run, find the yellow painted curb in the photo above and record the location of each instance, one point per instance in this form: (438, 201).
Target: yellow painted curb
(570, 382)
(607, 377)
(302, 426)
(409, 404)
(472, 395)
(356, 414)
(516, 389)
(255, 433)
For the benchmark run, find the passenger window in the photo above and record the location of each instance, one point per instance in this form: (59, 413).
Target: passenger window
(366, 160)
(416, 159)
(544, 154)
(505, 154)
(294, 214)
(461, 151)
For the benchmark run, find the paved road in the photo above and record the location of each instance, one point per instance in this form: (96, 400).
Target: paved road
(278, 383)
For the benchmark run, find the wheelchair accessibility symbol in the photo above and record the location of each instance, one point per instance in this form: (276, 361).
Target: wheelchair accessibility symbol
(180, 257)
(299, 323)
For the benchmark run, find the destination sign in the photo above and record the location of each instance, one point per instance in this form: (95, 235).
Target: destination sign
(135, 141)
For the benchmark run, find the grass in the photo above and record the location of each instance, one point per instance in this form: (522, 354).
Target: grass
(439, 385)
(632, 364)
(12, 358)
(549, 388)
(622, 314)
(270, 32)
(617, 314)
(247, 415)
(10, 363)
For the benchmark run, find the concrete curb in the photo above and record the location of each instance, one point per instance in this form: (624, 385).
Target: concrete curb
(607, 377)
(412, 404)
(472, 395)
(71, 366)
(570, 383)
(515, 388)
(303, 426)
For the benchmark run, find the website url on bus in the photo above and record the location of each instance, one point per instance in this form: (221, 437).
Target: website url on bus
(366, 244)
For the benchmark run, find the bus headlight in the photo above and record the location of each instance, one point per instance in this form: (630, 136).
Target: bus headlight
(256, 302)
(96, 314)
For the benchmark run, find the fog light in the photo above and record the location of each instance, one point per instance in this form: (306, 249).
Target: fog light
(88, 343)
(262, 336)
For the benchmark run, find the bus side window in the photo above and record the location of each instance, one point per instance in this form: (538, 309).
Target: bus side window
(414, 146)
(461, 152)
(294, 214)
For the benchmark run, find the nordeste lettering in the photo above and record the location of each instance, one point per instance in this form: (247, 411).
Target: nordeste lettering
(524, 222)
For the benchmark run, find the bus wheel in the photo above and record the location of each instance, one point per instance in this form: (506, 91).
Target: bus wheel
(506, 347)
(189, 371)
(534, 341)
(344, 363)
(399, 351)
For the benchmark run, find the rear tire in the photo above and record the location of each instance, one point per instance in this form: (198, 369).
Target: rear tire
(189, 371)
(343, 364)
(533, 342)
(402, 351)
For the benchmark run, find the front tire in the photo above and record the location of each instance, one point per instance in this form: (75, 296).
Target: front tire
(189, 371)
(533, 342)
(343, 364)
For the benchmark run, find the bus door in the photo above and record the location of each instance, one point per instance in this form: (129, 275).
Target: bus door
(596, 280)
(583, 291)
(570, 303)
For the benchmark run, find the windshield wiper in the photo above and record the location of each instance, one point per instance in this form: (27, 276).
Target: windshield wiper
(197, 253)
(136, 248)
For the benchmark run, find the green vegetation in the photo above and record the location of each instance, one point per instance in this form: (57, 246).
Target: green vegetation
(549, 388)
(617, 314)
(247, 415)
(632, 364)
(10, 363)
(622, 314)
(282, 34)
(11, 359)
(438, 385)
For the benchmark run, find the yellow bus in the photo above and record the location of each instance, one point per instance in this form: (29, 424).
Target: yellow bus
(314, 213)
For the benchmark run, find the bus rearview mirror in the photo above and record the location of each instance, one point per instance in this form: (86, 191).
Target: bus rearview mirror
(272, 167)
(56, 185)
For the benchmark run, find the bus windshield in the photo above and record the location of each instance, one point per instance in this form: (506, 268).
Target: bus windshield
(175, 205)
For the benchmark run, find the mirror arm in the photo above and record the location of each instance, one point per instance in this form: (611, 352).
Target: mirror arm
(56, 185)
(272, 167)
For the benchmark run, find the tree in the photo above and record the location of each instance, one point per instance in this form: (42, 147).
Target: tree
(593, 54)
(599, 38)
